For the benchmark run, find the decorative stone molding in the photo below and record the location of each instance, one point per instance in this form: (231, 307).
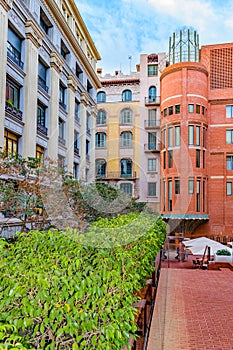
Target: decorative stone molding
(84, 98)
(33, 32)
(94, 111)
(56, 62)
(72, 82)
(6, 4)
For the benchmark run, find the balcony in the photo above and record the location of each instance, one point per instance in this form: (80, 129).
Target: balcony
(42, 129)
(42, 84)
(61, 141)
(151, 147)
(151, 124)
(14, 55)
(77, 118)
(152, 101)
(9, 107)
(116, 175)
(76, 151)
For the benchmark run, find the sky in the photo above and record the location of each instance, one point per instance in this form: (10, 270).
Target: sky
(127, 28)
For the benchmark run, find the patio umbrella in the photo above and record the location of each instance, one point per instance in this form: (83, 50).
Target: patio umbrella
(197, 246)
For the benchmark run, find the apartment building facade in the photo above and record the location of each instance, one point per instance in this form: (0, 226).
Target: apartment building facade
(48, 84)
(128, 130)
(197, 143)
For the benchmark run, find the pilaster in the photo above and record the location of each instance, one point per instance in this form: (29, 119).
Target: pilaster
(83, 136)
(72, 83)
(56, 64)
(34, 37)
(4, 8)
(92, 155)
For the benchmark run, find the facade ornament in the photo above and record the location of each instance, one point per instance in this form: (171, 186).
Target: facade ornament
(33, 32)
(56, 62)
(6, 4)
(72, 82)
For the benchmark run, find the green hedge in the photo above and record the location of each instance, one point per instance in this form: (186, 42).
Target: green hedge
(61, 290)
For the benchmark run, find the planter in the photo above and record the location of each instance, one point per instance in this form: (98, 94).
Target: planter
(222, 258)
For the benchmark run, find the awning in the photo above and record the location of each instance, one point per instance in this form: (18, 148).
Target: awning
(184, 223)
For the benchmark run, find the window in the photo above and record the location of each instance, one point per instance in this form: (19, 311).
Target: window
(151, 165)
(152, 94)
(177, 109)
(64, 50)
(198, 197)
(42, 73)
(191, 186)
(198, 109)
(165, 112)
(170, 195)
(126, 139)
(41, 115)
(44, 22)
(76, 171)
(87, 149)
(164, 160)
(152, 69)
(177, 136)
(170, 137)
(151, 189)
(203, 160)
(191, 108)
(229, 162)
(101, 97)
(151, 140)
(126, 168)
(100, 168)
(89, 87)
(39, 153)
(76, 143)
(198, 135)
(61, 162)
(100, 140)
(198, 158)
(77, 110)
(79, 72)
(62, 96)
(126, 95)
(229, 111)
(177, 186)
(229, 188)
(12, 93)
(127, 188)
(170, 110)
(61, 129)
(101, 118)
(170, 159)
(10, 143)
(152, 117)
(203, 110)
(191, 135)
(14, 47)
(126, 116)
(164, 138)
(229, 136)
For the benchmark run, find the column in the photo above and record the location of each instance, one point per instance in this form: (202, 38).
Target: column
(72, 83)
(5, 6)
(83, 136)
(56, 67)
(92, 155)
(34, 37)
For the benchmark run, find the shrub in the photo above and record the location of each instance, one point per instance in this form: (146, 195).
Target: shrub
(223, 252)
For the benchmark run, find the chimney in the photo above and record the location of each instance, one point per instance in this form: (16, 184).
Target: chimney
(116, 72)
(99, 71)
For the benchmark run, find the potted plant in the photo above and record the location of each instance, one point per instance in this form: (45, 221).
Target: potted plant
(223, 255)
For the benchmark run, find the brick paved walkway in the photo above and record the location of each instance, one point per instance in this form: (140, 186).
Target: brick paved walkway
(193, 310)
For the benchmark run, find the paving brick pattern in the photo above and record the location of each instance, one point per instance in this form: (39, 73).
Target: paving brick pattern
(193, 310)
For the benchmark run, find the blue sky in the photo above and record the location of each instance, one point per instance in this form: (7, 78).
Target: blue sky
(123, 28)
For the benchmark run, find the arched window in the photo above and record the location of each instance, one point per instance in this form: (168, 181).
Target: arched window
(127, 95)
(100, 140)
(126, 139)
(126, 116)
(101, 118)
(152, 93)
(101, 97)
(126, 168)
(100, 168)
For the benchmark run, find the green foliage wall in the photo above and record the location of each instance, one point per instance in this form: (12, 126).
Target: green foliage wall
(59, 290)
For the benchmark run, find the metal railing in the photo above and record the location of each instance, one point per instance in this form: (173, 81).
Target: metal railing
(14, 55)
(42, 129)
(152, 100)
(42, 84)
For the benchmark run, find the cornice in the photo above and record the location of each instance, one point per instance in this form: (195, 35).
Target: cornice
(69, 35)
(33, 32)
(6, 4)
(183, 65)
(56, 62)
(72, 82)
(84, 97)
(94, 111)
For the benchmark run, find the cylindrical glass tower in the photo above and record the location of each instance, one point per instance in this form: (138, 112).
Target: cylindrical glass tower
(184, 46)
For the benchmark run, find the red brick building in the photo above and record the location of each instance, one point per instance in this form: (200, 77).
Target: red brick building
(197, 140)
